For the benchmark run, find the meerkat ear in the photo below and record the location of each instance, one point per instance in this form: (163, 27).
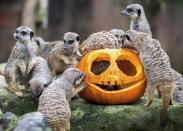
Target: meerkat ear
(31, 34)
(38, 43)
(77, 38)
(127, 37)
(139, 12)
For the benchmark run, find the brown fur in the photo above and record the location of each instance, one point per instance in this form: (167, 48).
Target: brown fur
(63, 55)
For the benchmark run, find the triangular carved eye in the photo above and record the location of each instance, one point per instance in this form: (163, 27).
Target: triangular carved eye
(98, 67)
(126, 67)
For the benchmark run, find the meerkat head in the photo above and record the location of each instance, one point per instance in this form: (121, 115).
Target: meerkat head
(23, 33)
(138, 40)
(37, 86)
(118, 34)
(135, 11)
(70, 42)
(39, 41)
(74, 75)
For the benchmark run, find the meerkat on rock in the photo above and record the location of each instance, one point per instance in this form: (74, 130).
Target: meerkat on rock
(54, 101)
(18, 62)
(157, 68)
(63, 55)
(41, 76)
(139, 21)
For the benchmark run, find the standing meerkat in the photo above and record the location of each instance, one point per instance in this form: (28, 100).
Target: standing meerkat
(41, 76)
(63, 55)
(18, 62)
(139, 21)
(44, 47)
(157, 68)
(99, 40)
(118, 33)
(54, 101)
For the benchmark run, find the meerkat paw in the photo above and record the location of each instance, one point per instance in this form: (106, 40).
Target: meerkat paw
(147, 104)
(78, 89)
(68, 62)
(83, 85)
(19, 93)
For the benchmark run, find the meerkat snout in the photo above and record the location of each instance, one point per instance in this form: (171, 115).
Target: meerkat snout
(133, 10)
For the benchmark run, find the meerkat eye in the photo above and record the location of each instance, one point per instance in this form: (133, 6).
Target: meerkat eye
(121, 36)
(16, 31)
(45, 85)
(64, 41)
(23, 33)
(116, 36)
(129, 10)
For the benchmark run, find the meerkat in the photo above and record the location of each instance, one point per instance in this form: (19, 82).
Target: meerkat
(41, 77)
(118, 33)
(18, 61)
(99, 40)
(54, 101)
(139, 21)
(157, 68)
(63, 55)
(44, 47)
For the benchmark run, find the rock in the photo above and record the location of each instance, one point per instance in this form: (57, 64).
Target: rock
(86, 116)
(3, 83)
(2, 67)
(12, 103)
(6, 119)
(34, 121)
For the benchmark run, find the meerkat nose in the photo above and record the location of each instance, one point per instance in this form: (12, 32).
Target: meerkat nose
(124, 12)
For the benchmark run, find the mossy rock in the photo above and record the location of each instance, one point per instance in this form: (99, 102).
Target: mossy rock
(12, 103)
(134, 117)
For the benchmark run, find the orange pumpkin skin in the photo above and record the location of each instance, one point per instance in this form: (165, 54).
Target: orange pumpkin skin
(133, 84)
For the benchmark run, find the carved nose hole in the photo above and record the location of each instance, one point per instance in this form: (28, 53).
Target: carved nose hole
(99, 67)
(126, 67)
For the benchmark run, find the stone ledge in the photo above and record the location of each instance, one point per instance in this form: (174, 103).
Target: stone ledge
(88, 117)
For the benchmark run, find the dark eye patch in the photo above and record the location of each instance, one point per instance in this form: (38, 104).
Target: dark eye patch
(116, 36)
(64, 41)
(129, 10)
(23, 33)
(16, 31)
(70, 42)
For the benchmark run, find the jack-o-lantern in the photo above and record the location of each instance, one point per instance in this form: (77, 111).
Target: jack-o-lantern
(113, 76)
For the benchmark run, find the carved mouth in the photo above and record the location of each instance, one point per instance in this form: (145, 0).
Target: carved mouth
(116, 87)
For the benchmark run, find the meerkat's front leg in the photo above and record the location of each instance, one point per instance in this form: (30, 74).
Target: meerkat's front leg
(78, 89)
(150, 94)
(31, 64)
(21, 65)
(65, 59)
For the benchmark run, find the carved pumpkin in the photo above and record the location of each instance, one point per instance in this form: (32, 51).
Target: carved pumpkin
(121, 70)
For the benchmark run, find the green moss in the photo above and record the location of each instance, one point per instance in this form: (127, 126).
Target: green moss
(12, 124)
(12, 103)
